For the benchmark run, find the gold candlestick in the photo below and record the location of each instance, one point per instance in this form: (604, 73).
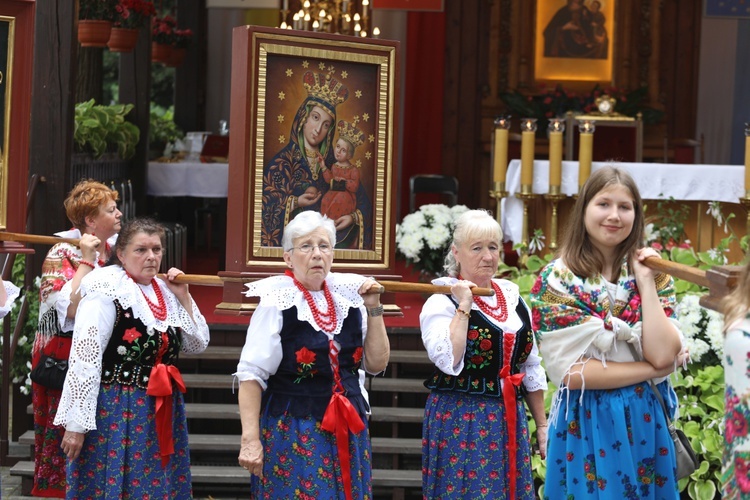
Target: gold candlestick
(526, 195)
(498, 194)
(554, 197)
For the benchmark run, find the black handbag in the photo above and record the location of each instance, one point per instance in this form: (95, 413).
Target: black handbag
(50, 372)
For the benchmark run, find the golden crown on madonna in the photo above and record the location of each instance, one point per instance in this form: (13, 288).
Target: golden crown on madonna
(350, 133)
(325, 89)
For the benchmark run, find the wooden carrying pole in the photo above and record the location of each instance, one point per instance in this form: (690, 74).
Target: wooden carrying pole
(692, 274)
(387, 286)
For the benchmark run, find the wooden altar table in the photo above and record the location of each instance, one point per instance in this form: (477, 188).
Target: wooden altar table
(656, 181)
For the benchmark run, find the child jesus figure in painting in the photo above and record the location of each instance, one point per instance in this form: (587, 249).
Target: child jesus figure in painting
(342, 177)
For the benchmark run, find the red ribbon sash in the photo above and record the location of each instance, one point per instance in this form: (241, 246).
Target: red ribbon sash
(510, 382)
(160, 386)
(340, 418)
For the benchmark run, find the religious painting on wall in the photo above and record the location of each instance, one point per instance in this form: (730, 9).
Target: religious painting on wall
(728, 8)
(574, 40)
(320, 138)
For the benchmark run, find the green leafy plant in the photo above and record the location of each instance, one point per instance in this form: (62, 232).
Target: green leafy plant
(99, 129)
(700, 391)
(97, 10)
(162, 128)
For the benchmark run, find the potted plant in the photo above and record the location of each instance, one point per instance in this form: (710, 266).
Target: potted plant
(182, 40)
(99, 129)
(95, 22)
(162, 38)
(130, 16)
(162, 130)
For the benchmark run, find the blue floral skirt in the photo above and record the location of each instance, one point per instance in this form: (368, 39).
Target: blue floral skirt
(300, 460)
(121, 458)
(464, 448)
(613, 444)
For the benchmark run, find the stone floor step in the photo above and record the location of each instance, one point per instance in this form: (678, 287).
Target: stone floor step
(209, 474)
(231, 442)
(385, 384)
(216, 411)
(232, 353)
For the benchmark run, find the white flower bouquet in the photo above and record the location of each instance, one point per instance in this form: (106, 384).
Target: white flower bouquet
(425, 236)
(702, 329)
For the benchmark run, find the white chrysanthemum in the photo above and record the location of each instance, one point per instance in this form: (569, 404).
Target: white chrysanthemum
(458, 210)
(697, 348)
(650, 233)
(715, 333)
(410, 245)
(121, 350)
(412, 222)
(438, 237)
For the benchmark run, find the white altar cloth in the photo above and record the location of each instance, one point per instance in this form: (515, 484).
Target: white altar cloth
(202, 180)
(655, 181)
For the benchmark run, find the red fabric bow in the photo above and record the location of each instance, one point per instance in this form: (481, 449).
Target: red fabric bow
(340, 418)
(160, 386)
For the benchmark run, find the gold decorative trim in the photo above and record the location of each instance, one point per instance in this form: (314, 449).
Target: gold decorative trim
(326, 50)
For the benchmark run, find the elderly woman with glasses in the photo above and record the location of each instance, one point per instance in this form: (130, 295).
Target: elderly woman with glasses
(303, 405)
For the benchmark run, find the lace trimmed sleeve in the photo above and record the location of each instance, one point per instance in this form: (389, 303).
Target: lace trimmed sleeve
(434, 321)
(77, 408)
(195, 334)
(262, 353)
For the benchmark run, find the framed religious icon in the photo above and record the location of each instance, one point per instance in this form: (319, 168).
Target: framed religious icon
(313, 128)
(574, 40)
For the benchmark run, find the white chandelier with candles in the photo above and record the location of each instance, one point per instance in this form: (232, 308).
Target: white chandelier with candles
(346, 17)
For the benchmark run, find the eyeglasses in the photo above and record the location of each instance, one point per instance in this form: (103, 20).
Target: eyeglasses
(324, 248)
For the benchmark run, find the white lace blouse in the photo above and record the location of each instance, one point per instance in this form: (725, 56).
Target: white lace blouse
(438, 312)
(95, 320)
(262, 352)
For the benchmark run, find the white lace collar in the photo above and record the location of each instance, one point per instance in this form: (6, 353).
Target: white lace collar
(281, 292)
(114, 283)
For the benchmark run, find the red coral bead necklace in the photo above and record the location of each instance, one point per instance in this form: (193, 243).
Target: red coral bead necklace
(160, 308)
(489, 310)
(325, 320)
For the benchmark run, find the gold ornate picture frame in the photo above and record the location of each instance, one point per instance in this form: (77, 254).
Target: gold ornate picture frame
(575, 40)
(298, 101)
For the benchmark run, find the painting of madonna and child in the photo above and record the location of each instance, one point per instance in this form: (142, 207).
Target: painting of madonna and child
(320, 147)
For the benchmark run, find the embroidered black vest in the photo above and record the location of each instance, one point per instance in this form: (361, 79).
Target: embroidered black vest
(483, 359)
(133, 349)
(303, 383)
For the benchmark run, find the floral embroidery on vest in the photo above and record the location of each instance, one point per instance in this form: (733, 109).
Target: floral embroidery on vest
(305, 362)
(479, 348)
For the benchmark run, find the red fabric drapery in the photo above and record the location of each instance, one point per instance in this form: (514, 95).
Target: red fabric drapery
(423, 99)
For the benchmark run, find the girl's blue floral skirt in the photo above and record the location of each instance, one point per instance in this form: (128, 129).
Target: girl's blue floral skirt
(121, 458)
(612, 444)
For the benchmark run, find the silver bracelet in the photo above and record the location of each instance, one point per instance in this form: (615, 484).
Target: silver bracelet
(375, 311)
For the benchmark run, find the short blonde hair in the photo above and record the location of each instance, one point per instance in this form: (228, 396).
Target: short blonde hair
(85, 199)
